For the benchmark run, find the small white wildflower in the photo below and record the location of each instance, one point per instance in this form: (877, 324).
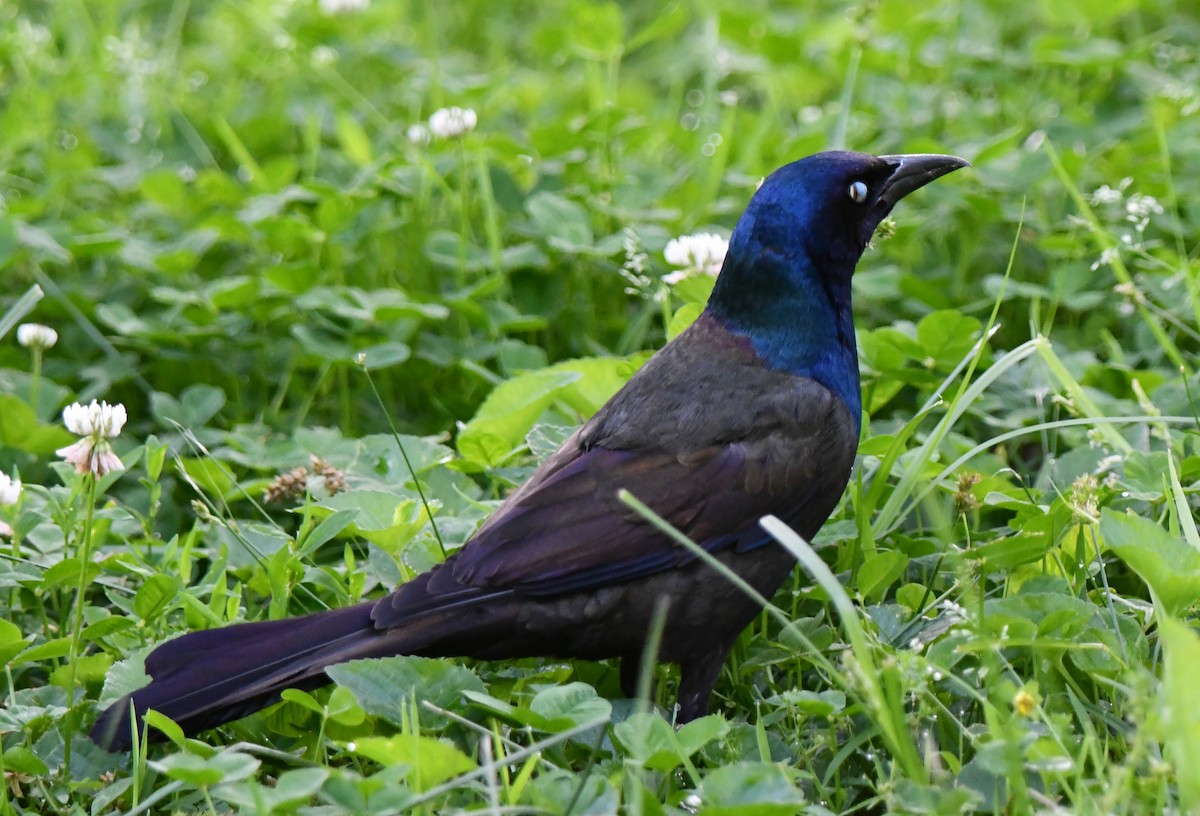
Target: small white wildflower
(811, 114)
(635, 258)
(1131, 293)
(323, 55)
(10, 489)
(634, 268)
(1106, 195)
(35, 335)
(952, 609)
(418, 134)
(451, 123)
(1139, 208)
(342, 6)
(700, 254)
(692, 802)
(1164, 55)
(1174, 91)
(1106, 258)
(31, 39)
(96, 424)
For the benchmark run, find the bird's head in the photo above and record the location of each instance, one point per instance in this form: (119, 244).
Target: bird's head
(822, 210)
(785, 283)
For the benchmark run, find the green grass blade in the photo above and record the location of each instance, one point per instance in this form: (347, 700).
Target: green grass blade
(18, 310)
(882, 693)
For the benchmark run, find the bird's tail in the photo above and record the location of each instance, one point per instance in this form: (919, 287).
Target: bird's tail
(207, 678)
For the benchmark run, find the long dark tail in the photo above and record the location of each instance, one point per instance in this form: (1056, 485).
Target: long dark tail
(207, 678)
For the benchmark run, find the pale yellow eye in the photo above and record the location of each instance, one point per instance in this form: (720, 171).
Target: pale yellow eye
(857, 192)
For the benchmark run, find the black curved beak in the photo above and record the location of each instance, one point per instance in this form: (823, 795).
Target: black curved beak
(913, 171)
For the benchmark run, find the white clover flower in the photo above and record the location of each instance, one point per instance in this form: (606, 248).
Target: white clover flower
(96, 419)
(10, 489)
(35, 335)
(700, 254)
(451, 123)
(96, 423)
(342, 6)
(418, 134)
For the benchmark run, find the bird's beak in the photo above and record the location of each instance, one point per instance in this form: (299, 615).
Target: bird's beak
(913, 171)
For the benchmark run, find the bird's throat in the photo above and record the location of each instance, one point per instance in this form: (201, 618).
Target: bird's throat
(804, 327)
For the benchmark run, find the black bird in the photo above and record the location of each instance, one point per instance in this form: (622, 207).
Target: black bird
(753, 410)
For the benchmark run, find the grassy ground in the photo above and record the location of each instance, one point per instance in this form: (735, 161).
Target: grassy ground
(221, 208)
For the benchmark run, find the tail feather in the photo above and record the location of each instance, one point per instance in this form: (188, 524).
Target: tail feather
(211, 677)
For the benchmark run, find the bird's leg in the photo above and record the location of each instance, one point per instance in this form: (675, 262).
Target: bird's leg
(697, 677)
(631, 674)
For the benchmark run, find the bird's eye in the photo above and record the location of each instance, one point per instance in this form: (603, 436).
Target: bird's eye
(857, 191)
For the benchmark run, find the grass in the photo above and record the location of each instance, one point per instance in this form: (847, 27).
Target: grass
(219, 210)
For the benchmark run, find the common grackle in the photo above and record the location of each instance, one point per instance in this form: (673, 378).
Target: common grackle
(753, 410)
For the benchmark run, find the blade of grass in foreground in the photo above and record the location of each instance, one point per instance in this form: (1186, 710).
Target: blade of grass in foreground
(967, 391)
(890, 514)
(22, 307)
(879, 684)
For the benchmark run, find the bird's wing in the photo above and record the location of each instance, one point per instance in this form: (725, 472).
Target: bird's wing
(704, 434)
(575, 533)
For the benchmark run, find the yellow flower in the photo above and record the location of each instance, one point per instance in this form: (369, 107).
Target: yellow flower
(1024, 702)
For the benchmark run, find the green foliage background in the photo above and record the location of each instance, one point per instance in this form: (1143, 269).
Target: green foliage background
(230, 227)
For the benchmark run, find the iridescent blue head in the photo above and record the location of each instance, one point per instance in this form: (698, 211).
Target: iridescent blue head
(785, 284)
